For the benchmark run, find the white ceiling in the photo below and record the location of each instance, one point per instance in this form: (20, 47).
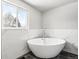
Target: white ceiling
(44, 5)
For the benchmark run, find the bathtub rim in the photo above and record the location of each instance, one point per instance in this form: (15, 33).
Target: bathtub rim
(64, 41)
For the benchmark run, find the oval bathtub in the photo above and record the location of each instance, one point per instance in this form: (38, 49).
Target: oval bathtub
(46, 47)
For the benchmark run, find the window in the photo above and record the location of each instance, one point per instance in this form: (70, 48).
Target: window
(9, 15)
(13, 16)
(22, 17)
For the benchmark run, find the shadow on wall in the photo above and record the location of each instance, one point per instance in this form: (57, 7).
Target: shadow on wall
(70, 47)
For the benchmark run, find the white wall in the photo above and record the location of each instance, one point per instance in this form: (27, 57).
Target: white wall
(14, 41)
(63, 17)
(62, 22)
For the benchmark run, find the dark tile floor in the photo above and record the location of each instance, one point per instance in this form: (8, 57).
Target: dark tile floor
(62, 55)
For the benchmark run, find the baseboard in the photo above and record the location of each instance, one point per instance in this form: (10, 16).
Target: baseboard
(24, 55)
(72, 52)
(68, 53)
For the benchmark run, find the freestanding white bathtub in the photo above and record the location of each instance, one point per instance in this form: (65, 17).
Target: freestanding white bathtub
(46, 47)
